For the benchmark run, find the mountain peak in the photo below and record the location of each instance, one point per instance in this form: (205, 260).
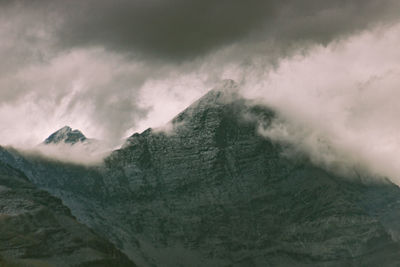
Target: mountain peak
(228, 86)
(66, 135)
(225, 92)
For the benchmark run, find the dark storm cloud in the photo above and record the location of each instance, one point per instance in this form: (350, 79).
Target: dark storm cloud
(171, 29)
(182, 29)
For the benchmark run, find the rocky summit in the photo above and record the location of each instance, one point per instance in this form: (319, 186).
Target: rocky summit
(208, 190)
(66, 135)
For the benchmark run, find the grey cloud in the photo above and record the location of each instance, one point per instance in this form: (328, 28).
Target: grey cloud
(115, 106)
(169, 29)
(179, 29)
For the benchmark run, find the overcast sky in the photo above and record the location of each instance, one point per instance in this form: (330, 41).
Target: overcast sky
(114, 67)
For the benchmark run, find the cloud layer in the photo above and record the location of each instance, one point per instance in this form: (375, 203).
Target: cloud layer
(339, 103)
(179, 29)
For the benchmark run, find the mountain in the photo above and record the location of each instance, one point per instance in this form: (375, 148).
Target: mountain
(36, 229)
(208, 190)
(66, 135)
(73, 146)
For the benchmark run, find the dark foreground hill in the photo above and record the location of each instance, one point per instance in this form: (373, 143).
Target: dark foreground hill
(36, 229)
(207, 190)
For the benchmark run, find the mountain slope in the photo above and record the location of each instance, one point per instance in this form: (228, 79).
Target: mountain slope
(207, 190)
(37, 230)
(215, 186)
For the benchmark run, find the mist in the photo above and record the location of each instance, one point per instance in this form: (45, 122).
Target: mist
(89, 154)
(338, 103)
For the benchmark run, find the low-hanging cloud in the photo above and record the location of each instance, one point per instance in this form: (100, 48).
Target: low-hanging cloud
(90, 153)
(339, 104)
(89, 89)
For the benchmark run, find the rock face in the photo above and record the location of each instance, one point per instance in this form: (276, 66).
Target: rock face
(36, 229)
(66, 135)
(207, 190)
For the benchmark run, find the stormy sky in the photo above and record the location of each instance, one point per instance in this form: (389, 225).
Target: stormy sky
(111, 68)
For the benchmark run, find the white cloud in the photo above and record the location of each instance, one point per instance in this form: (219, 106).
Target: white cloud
(339, 103)
(88, 89)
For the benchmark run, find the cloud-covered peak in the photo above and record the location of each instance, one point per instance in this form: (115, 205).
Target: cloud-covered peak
(72, 146)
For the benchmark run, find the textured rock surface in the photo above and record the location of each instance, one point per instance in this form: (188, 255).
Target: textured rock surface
(36, 229)
(66, 135)
(208, 191)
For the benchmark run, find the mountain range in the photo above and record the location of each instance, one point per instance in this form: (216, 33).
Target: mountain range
(205, 190)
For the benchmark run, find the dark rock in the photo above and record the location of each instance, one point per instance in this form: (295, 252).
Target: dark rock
(36, 229)
(66, 135)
